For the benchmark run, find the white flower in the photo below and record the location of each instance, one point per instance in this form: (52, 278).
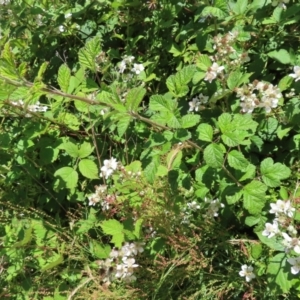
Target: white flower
(213, 208)
(61, 28)
(270, 230)
(296, 73)
(295, 262)
(194, 104)
(247, 272)
(122, 66)
(109, 166)
(93, 199)
(68, 15)
(248, 106)
(291, 243)
(210, 76)
(202, 99)
(136, 248)
(128, 59)
(193, 205)
(129, 263)
(282, 207)
(137, 68)
(216, 68)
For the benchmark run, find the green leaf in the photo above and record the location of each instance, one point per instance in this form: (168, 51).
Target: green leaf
(237, 160)
(203, 63)
(213, 155)
(281, 55)
(71, 149)
(68, 175)
(250, 173)
(85, 149)
(151, 169)
(134, 98)
(138, 227)
(198, 76)
(26, 239)
(241, 7)
(63, 79)
(55, 261)
(272, 173)
(115, 229)
(99, 250)
(285, 83)
(280, 269)
(273, 243)
(161, 104)
(214, 11)
(177, 84)
(205, 132)
(189, 120)
(87, 55)
(123, 124)
(233, 79)
(254, 196)
(88, 169)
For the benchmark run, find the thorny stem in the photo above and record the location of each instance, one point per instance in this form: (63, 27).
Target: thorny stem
(92, 102)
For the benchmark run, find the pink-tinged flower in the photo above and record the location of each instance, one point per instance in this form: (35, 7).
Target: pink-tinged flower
(296, 73)
(247, 272)
(295, 262)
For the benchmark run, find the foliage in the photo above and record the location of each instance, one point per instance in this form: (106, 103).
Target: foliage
(146, 147)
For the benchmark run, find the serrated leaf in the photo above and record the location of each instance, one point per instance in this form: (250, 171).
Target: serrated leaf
(151, 169)
(254, 196)
(161, 104)
(134, 98)
(272, 173)
(71, 149)
(205, 132)
(213, 155)
(87, 55)
(237, 160)
(85, 149)
(68, 175)
(214, 11)
(189, 120)
(88, 169)
(63, 79)
(234, 79)
(198, 76)
(115, 229)
(272, 243)
(203, 63)
(177, 84)
(250, 173)
(123, 124)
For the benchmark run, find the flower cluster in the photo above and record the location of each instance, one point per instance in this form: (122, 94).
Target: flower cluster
(197, 101)
(213, 72)
(226, 53)
(121, 263)
(127, 60)
(32, 107)
(284, 213)
(247, 272)
(213, 208)
(109, 166)
(101, 196)
(258, 94)
(211, 211)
